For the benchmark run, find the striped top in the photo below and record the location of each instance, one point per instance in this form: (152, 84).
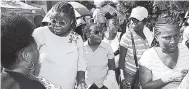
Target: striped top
(151, 60)
(140, 44)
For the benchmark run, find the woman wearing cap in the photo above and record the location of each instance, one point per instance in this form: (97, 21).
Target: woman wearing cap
(142, 42)
(164, 65)
(61, 49)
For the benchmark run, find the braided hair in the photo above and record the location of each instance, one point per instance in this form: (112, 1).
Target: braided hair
(163, 21)
(65, 7)
(16, 33)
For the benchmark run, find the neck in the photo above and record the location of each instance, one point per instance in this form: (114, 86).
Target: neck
(91, 43)
(170, 53)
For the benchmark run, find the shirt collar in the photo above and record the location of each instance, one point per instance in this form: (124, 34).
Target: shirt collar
(86, 43)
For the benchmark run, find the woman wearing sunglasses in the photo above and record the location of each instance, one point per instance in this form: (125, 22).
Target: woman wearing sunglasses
(139, 31)
(61, 49)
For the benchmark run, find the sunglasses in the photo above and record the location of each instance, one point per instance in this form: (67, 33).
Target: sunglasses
(134, 21)
(62, 23)
(97, 32)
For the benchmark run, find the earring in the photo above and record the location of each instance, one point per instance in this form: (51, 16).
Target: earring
(30, 68)
(26, 60)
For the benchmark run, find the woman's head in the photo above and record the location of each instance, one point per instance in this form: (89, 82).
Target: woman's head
(167, 33)
(95, 33)
(62, 18)
(19, 49)
(112, 27)
(138, 18)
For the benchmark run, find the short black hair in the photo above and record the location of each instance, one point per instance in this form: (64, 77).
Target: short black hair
(16, 33)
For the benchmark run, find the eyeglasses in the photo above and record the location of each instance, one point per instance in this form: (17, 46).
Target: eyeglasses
(62, 23)
(134, 21)
(97, 32)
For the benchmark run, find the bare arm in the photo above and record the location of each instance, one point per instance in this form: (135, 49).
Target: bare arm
(122, 55)
(111, 64)
(146, 79)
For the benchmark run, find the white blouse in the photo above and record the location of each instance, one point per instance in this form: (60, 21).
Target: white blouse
(151, 60)
(60, 57)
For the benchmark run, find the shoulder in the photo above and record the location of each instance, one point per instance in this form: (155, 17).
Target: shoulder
(40, 30)
(7, 82)
(126, 35)
(36, 85)
(148, 57)
(105, 45)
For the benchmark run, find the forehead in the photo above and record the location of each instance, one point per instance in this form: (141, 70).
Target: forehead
(169, 29)
(61, 15)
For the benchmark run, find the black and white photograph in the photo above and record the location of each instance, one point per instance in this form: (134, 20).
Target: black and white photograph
(94, 44)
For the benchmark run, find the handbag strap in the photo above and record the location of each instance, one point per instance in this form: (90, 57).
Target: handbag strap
(134, 50)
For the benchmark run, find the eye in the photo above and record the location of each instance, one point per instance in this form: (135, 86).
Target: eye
(177, 35)
(62, 23)
(167, 37)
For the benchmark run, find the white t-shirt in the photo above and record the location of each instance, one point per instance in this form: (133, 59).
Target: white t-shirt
(151, 60)
(115, 46)
(97, 63)
(60, 58)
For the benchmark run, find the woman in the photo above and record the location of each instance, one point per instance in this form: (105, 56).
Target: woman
(138, 29)
(61, 49)
(165, 65)
(100, 60)
(19, 53)
(112, 36)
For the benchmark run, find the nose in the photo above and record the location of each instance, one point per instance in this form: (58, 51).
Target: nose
(173, 40)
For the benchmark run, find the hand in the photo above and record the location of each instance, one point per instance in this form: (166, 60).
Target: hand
(174, 76)
(82, 85)
(122, 75)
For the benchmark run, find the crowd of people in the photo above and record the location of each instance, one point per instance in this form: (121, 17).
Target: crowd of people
(106, 56)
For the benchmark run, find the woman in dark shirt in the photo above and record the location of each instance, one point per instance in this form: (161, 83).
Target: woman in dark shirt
(19, 53)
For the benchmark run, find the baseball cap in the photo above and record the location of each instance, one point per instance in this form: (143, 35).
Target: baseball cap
(139, 13)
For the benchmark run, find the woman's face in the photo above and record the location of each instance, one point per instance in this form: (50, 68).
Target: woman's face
(169, 38)
(136, 24)
(96, 34)
(61, 23)
(112, 31)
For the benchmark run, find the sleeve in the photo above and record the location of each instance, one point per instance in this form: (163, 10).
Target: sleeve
(146, 59)
(125, 39)
(81, 62)
(184, 83)
(110, 52)
(37, 35)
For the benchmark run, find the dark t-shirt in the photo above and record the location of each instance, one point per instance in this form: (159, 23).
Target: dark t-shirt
(14, 80)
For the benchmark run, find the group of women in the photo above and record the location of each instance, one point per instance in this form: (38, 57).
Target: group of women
(52, 57)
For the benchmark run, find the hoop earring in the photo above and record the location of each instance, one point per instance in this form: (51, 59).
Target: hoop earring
(26, 60)
(30, 68)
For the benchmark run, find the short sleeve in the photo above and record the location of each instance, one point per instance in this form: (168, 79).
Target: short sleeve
(110, 52)
(38, 36)
(81, 62)
(125, 40)
(146, 59)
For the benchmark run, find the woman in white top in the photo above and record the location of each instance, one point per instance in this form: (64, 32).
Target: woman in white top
(61, 50)
(164, 66)
(112, 37)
